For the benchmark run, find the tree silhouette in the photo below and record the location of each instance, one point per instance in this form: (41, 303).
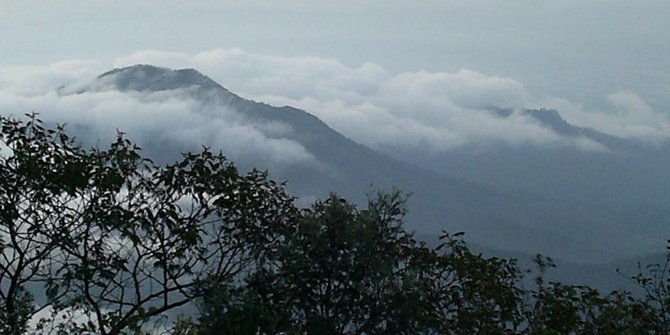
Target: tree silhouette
(99, 241)
(117, 241)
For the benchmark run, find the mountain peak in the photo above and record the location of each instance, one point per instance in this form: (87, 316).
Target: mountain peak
(552, 119)
(143, 77)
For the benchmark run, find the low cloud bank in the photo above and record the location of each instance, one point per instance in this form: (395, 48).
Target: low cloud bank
(155, 120)
(426, 110)
(439, 111)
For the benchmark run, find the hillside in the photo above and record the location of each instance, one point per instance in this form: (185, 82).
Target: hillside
(508, 218)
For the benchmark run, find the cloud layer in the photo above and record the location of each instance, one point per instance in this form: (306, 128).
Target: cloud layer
(152, 119)
(407, 111)
(438, 111)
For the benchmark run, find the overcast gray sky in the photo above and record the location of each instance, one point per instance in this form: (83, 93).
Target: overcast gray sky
(579, 49)
(592, 56)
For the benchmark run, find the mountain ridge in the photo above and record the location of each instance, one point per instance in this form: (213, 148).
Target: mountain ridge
(493, 218)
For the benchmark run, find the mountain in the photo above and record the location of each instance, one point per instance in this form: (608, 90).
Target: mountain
(493, 214)
(152, 78)
(624, 173)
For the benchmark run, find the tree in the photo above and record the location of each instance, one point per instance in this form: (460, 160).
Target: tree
(559, 308)
(468, 293)
(349, 271)
(118, 242)
(334, 273)
(39, 176)
(342, 270)
(109, 243)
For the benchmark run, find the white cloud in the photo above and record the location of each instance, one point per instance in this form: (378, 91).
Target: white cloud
(634, 118)
(148, 118)
(630, 117)
(29, 80)
(438, 111)
(434, 111)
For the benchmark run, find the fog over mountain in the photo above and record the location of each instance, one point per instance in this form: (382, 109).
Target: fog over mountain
(501, 189)
(438, 110)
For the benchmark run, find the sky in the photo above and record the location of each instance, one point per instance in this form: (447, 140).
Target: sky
(381, 72)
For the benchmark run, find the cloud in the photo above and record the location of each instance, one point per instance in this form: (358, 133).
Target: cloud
(634, 118)
(437, 111)
(432, 111)
(152, 119)
(630, 117)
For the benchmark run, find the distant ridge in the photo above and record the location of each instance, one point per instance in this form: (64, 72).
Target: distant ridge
(553, 120)
(492, 217)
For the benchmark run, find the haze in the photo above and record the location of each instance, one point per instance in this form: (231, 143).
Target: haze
(508, 104)
(582, 51)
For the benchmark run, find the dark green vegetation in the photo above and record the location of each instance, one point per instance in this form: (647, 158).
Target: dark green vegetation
(105, 242)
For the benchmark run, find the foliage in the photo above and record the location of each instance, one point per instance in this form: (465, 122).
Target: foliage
(335, 272)
(117, 241)
(349, 271)
(104, 242)
(39, 176)
(470, 293)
